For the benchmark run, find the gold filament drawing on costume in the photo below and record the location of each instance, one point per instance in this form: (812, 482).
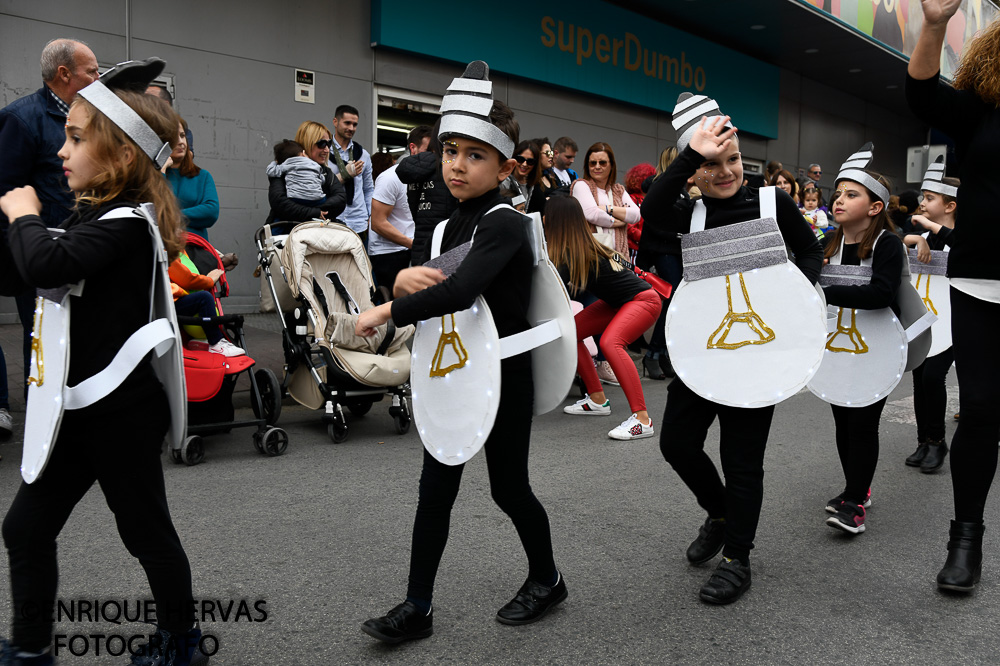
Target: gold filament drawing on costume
(36, 344)
(928, 303)
(856, 342)
(717, 340)
(449, 339)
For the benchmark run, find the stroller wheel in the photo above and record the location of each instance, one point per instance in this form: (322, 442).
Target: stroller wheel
(269, 389)
(258, 441)
(402, 423)
(360, 408)
(175, 455)
(337, 432)
(275, 441)
(193, 450)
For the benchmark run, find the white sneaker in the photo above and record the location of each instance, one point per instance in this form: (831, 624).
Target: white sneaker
(588, 407)
(7, 422)
(606, 374)
(632, 428)
(226, 348)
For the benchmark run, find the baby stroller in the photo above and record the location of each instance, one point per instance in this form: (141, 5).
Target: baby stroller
(211, 377)
(325, 282)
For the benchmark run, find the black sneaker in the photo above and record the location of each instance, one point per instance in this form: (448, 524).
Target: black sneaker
(833, 505)
(849, 517)
(711, 539)
(727, 583)
(917, 457)
(166, 649)
(532, 602)
(403, 623)
(11, 655)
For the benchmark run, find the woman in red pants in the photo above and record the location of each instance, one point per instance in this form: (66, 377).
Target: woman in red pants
(627, 307)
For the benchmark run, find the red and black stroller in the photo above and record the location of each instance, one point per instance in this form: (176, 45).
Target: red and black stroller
(211, 377)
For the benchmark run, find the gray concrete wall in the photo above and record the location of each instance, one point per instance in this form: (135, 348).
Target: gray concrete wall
(233, 64)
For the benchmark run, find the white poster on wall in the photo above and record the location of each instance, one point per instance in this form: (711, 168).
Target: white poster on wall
(305, 86)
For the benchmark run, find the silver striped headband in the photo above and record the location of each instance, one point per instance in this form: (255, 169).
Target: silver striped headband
(854, 169)
(465, 109)
(688, 113)
(933, 179)
(131, 75)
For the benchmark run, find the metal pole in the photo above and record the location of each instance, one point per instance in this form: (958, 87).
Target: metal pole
(128, 29)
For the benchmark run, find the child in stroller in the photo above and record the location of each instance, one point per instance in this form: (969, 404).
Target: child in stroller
(193, 296)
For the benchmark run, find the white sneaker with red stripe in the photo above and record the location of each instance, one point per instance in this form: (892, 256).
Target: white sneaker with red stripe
(632, 428)
(588, 407)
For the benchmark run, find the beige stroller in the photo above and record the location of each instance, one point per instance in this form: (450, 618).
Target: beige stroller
(325, 283)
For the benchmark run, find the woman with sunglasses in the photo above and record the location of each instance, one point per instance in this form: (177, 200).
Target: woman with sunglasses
(544, 162)
(605, 203)
(315, 138)
(526, 176)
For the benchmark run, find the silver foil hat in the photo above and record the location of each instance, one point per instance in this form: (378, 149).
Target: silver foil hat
(933, 179)
(853, 169)
(465, 109)
(687, 115)
(133, 76)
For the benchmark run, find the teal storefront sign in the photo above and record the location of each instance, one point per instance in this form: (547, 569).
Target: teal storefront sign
(589, 46)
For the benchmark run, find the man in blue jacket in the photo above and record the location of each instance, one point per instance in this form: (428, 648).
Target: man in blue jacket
(32, 130)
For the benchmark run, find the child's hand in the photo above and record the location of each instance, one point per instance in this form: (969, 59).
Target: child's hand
(923, 250)
(714, 139)
(168, 164)
(370, 319)
(215, 274)
(410, 280)
(19, 202)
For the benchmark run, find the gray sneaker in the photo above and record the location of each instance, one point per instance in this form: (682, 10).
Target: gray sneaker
(6, 423)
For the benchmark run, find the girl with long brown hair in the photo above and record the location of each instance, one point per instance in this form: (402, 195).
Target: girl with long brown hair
(864, 227)
(105, 246)
(625, 308)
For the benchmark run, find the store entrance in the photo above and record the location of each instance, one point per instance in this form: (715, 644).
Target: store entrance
(399, 111)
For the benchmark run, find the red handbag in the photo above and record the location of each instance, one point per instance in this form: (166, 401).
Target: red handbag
(661, 286)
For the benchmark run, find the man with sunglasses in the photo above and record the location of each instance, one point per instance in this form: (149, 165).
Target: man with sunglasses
(353, 166)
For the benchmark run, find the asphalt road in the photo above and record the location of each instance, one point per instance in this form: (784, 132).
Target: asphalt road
(321, 537)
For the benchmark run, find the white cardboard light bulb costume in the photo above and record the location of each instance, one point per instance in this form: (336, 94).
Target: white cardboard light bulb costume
(745, 327)
(930, 280)
(867, 351)
(48, 395)
(455, 362)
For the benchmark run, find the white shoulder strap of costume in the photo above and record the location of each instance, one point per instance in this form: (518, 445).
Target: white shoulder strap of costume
(698, 216)
(768, 203)
(158, 336)
(439, 230)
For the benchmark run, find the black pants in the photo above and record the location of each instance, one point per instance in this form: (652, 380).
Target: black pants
(506, 452)
(26, 313)
(930, 396)
(385, 267)
(122, 453)
(974, 447)
(743, 438)
(857, 446)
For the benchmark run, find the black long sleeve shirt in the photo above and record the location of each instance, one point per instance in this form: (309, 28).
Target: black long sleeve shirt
(975, 127)
(662, 207)
(499, 266)
(616, 288)
(887, 270)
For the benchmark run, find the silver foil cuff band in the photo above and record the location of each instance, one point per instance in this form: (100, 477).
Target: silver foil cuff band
(859, 176)
(477, 129)
(939, 187)
(471, 85)
(938, 265)
(732, 249)
(845, 276)
(122, 115)
(480, 106)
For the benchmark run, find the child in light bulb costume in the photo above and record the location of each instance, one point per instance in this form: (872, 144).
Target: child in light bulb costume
(494, 278)
(869, 344)
(928, 271)
(103, 412)
(744, 329)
